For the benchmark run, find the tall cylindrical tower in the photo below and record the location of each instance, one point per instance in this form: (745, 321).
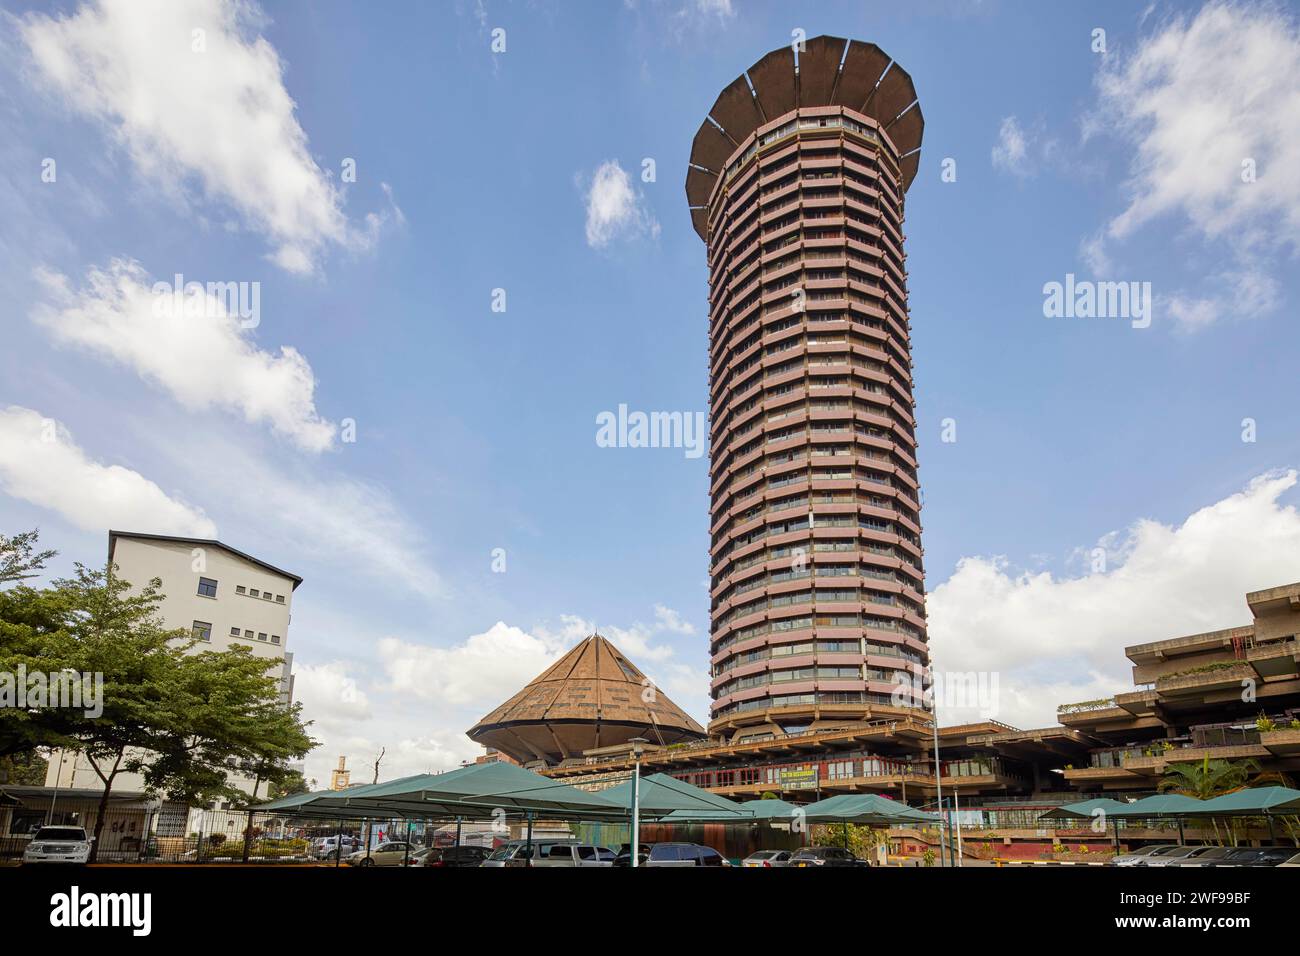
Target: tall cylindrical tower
(796, 185)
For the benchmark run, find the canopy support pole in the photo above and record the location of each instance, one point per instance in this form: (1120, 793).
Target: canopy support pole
(1182, 840)
(406, 857)
(1272, 834)
(458, 831)
(338, 843)
(528, 858)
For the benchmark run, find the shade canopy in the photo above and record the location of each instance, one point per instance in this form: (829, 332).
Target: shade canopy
(1252, 801)
(867, 808)
(1159, 805)
(479, 791)
(1086, 809)
(773, 811)
(750, 811)
(661, 795)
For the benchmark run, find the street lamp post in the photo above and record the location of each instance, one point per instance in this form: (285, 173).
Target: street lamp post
(938, 777)
(637, 743)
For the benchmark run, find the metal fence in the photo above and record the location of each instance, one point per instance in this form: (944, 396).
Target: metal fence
(168, 834)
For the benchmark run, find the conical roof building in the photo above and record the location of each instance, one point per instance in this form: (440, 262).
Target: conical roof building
(591, 697)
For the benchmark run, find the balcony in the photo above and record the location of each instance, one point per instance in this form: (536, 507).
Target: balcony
(1206, 680)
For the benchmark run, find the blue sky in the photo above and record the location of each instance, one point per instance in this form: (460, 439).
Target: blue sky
(475, 429)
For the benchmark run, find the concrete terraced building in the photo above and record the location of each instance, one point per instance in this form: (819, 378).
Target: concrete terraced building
(796, 183)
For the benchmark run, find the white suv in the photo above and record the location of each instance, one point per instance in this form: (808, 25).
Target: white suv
(58, 845)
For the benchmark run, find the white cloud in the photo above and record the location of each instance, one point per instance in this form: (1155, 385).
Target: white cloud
(670, 620)
(1247, 292)
(1009, 152)
(203, 361)
(488, 668)
(482, 672)
(349, 522)
(614, 209)
(1057, 639)
(210, 109)
(331, 698)
(1203, 101)
(698, 15)
(41, 463)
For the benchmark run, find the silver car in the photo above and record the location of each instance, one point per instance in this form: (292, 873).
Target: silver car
(768, 858)
(1168, 855)
(1205, 856)
(515, 852)
(1138, 856)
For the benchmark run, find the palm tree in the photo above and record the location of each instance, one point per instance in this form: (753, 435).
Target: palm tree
(1214, 778)
(1209, 778)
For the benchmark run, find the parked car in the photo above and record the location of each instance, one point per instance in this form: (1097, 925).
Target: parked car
(388, 853)
(58, 845)
(327, 847)
(515, 852)
(1208, 856)
(825, 856)
(418, 857)
(575, 855)
(1135, 857)
(624, 855)
(1258, 856)
(455, 856)
(671, 855)
(768, 858)
(1170, 855)
(1291, 861)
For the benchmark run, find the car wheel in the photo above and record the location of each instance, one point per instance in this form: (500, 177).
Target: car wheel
(367, 862)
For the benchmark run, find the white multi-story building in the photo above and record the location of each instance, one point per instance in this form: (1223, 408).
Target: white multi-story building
(221, 596)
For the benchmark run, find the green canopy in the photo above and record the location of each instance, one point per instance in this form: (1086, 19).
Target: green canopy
(864, 808)
(1086, 809)
(1252, 801)
(292, 802)
(773, 811)
(662, 794)
(1159, 805)
(750, 811)
(479, 791)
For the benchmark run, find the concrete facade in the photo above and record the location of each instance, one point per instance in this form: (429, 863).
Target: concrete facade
(818, 592)
(213, 591)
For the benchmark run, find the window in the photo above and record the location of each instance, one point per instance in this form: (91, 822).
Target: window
(279, 599)
(207, 587)
(266, 595)
(262, 636)
(275, 638)
(201, 631)
(248, 635)
(240, 589)
(234, 632)
(254, 592)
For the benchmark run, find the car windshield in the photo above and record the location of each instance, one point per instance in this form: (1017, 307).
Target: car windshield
(502, 852)
(61, 833)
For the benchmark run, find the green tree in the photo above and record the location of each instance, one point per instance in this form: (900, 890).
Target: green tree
(23, 769)
(19, 559)
(32, 637)
(184, 721)
(292, 782)
(1207, 779)
(117, 633)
